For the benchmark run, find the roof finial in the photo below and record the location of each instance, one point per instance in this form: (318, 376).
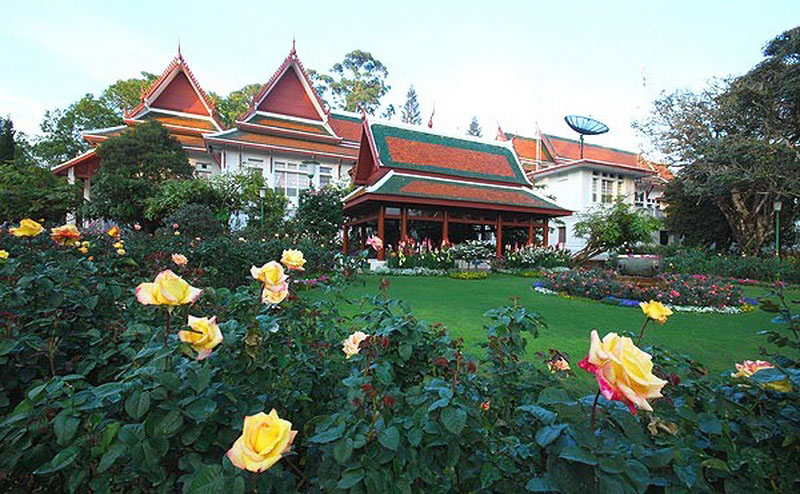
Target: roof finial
(180, 56)
(501, 136)
(294, 51)
(430, 120)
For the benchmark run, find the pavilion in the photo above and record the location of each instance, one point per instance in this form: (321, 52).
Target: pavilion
(412, 182)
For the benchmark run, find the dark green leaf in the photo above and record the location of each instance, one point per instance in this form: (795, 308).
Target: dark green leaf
(389, 438)
(489, 474)
(209, 480)
(60, 461)
(540, 484)
(574, 453)
(108, 459)
(137, 404)
(548, 434)
(545, 416)
(342, 450)
(454, 419)
(350, 478)
(170, 424)
(709, 423)
(329, 435)
(65, 426)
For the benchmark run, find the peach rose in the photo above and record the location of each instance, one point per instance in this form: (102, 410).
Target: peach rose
(656, 311)
(293, 259)
(65, 235)
(263, 441)
(749, 367)
(559, 365)
(26, 228)
(623, 371)
(167, 289)
(179, 259)
(113, 232)
(204, 335)
(270, 273)
(351, 345)
(275, 294)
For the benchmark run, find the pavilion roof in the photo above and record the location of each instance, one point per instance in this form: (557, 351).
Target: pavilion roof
(282, 143)
(415, 149)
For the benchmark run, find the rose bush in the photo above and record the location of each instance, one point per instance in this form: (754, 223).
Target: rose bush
(94, 400)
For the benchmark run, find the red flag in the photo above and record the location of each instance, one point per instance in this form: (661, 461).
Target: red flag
(430, 120)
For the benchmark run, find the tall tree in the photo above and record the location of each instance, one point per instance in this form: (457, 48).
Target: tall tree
(410, 112)
(7, 141)
(125, 94)
(359, 81)
(135, 164)
(474, 128)
(61, 129)
(389, 112)
(236, 103)
(736, 142)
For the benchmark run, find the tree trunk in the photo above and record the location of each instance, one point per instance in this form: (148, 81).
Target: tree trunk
(751, 225)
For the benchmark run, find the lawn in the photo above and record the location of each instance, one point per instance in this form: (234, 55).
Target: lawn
(716, 340)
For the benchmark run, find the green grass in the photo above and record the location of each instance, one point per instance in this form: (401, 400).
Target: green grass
(716, 340)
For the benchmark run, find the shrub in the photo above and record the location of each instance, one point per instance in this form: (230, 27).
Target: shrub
(35, 192)
(695, 261)
(533, 256)
(467, 275)
(473, 250)
(675, 289)
(319, 213)
(195, 220)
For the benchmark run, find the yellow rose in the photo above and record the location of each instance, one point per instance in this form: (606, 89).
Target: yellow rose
(167, 289)
(275, 294)
(204, 335)
(113, 232)
(118, 245)
(270, 273)
(65, 235)
(749, 367)
(121, 252)
(83, 250)
(351, 345)
(3, 254)
(293, 259)
(179, 259)
(26, 228)
(656, 311)
(263, 441)
(623, 371)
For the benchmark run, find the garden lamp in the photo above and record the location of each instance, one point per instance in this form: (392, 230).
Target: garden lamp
(777, 206)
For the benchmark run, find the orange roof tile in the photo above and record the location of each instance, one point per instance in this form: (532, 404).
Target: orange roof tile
(285, 143)
(346, 127)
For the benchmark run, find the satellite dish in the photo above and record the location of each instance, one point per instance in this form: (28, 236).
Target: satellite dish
(585, 126)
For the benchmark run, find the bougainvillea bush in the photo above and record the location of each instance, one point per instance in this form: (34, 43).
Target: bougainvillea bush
(674, 289)
(109, 386)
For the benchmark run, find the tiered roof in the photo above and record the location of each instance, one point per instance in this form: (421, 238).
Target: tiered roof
(287, 114)
(411, 164)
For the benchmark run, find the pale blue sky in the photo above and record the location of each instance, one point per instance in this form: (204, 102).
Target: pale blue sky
(516, 63)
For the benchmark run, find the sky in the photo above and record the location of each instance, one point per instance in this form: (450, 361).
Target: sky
(517, 65)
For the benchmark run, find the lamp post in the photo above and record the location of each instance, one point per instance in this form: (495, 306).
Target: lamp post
(261, 194)
(310, 169)
(777, 206)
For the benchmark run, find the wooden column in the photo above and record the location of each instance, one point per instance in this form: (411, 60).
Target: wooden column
(499, 235)
(381, 234)
(446, 228)
(363, 236)
(403, 224)
(344, 238)
(530, 231)
(545, 233)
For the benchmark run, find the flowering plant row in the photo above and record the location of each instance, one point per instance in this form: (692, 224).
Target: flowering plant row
(411, 254)
(532, 256)
(673, 289)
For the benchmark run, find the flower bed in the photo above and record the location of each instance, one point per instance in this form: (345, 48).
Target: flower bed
(532, 256)
(418, 271)
(672, 289)
(468, 275)
(411, 254)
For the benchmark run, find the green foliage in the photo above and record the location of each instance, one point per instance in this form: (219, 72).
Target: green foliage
(236, 103)
(319, 213)
(357, 82)
(467, 275)
(697, 220)
(125, 94)
(195, 220)
(7, 140)
(35, 192)
(135, 164)
(175, 194)
(92, 399)
(767, 269)
(61, 128)
(474, 128)
(612, 228)
(409, 113)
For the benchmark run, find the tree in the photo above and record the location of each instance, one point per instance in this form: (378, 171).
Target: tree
(30, 191)
(606, 229)
(135, 164)
(474, 128)
(357, 82)
(7, 141)
(736, 142)
(236, 103)
(410, 112)
(61, 129)
(125, 94)
(710, 228)
(389, 112)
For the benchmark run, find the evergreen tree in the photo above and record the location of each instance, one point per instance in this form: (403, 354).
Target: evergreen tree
(410, 113)
(7, 144)
(135, 165)
(389, 112)
(475, 128)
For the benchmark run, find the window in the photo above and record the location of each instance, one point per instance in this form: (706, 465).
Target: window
(325, 175)
(638, 198)
(562, 235)
(290, 178)
(663, 237)
(609, 184)
(594, 189)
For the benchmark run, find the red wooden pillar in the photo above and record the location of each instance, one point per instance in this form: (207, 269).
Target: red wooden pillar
(344, 238)
(545, 233)
(530, 231)
(403, 224)
(499, 235)
(446, 228)
(381, 234)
